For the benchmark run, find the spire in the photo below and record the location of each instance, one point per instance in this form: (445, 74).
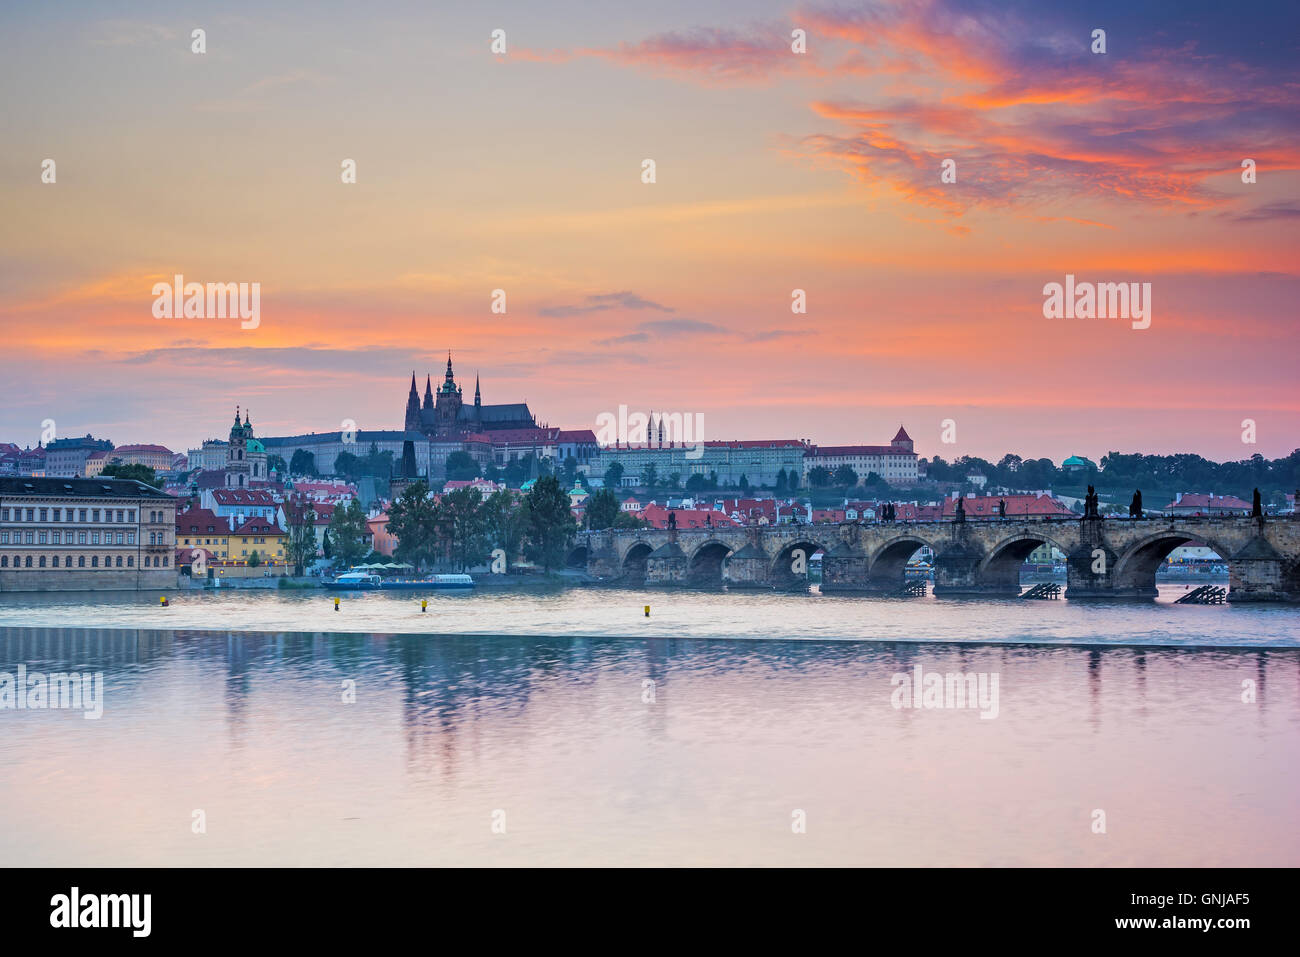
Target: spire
(236, 415)
(449, 376)
(428, 391)
(478, 398)
(414, 391)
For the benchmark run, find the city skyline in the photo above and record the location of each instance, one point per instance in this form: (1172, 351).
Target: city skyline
(776, 172)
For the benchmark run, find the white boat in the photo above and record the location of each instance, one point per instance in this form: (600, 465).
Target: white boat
(355, 580)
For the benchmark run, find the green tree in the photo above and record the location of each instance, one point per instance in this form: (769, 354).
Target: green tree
(614, 475)
(302, 462)
(650, 475)
(697, 483)
(505, 522)
(277, 464)
(844, 475)
(462, 526)
(461, 467)
(551, 522)
(744, 483)
(819, 476)
(347, 531)
(602, 509)
(141, 473)
(413, 521)
(300, 542)
(781, 482)
(570, 471)
(254, 559)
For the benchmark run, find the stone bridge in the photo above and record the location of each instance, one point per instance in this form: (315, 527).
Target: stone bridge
(1106, 557)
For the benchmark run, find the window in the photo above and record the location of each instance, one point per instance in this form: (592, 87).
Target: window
(29, 514)
(94, 515)
(67, 561)
(94, 561)
(81, 538)
(130, 538)
(41, 537)
(167, 561)
(4, 561)
(81, 561)
(130, 515)
(152, 536)
(56, 537)
(4, 514)
(94, 538)
(119, 515)
(41, 564)
(57, 512)
(27, 537)
(108, 561)
(81, 515)
(119, 561)
(4, 538)
(121, 538)
(130, 561)
(44, 515)
(28, 562)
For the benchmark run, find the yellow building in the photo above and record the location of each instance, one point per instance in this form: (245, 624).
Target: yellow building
(229, 551)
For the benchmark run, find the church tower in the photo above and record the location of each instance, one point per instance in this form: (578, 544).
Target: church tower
(413, 408)
(237, 463)
(448, 404)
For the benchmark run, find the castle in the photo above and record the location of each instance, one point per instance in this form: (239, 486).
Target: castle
(445, 416)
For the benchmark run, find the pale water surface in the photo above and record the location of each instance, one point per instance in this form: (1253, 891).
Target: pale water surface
(761, 706)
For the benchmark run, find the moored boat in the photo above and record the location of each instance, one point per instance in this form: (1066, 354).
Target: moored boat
(348, 581)
(429, 581)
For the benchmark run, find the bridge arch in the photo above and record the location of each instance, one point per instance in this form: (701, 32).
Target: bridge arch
(1136, 567)
(790, 570)
(888, 564)
(1001, 566)
(633, 562)
(577, 556)
(707, 561)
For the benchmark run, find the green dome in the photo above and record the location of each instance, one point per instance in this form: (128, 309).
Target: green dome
(255, 446)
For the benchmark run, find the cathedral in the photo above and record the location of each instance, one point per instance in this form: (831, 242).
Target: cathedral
(445, 416)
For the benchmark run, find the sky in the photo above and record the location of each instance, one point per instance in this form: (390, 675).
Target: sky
(775, 171)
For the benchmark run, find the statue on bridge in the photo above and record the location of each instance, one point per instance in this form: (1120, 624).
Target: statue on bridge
(1135, 507)
(960, 515)
(1256, 505)
(1090, 504)
(672, 521)
(1002, 508)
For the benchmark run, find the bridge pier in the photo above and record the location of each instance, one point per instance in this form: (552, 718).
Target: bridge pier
(1257, 572)
(957, 572)
(667, 565)
(748, 567)
(844, 569)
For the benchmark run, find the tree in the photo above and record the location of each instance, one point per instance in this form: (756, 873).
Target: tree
(302, 462)
(570, 471)
(277, 464)
(140, 473)
(505, 522)
(614, 475)
(819, 476)
(780, 482)
(602, 509)
(413, 521)
(326, 548)
(695, 483)
(461, 527)
(744, 483)
(650, 475)
(461, 467)
(674, 480)
(254, 559)
(347, 532)
(551, 522)
(844, 475)
(300, 543)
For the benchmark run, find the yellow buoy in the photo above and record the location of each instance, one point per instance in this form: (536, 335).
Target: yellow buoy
(647, 611)
(336, 604)
(162, 600)
(424, 604)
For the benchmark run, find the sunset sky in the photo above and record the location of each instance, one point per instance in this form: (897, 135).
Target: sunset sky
(775, 171)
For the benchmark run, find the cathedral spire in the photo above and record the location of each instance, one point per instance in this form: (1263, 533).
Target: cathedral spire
(478, 398)
(449, 376)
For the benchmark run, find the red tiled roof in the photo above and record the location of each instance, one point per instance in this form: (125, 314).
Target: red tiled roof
(657, 516)
(242, 496)
(986, 506)
(576, 436)
(257, 526)
(143, 448)
(902, 435)
(199, 521)
(1203, 501)
(525, 436)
